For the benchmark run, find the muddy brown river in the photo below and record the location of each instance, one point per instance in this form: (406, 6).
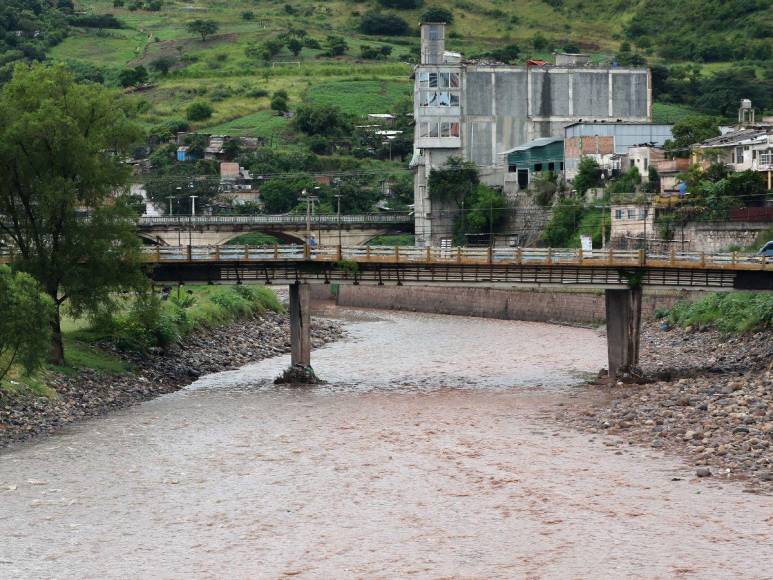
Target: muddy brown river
(429, 454)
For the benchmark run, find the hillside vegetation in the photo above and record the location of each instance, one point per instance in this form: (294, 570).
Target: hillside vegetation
(229, 66)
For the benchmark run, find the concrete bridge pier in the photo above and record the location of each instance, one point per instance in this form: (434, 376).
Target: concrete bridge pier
(300, 324)
(623, 330)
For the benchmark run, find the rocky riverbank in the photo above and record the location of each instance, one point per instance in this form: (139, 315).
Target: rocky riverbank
(91, 393)
(710, 401)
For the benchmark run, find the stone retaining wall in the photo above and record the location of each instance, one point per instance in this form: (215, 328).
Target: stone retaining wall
(535, 304)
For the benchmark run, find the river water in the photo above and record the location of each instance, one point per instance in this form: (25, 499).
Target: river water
(430, 453)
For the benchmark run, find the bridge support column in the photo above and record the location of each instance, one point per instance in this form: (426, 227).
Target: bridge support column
(300, 324)
(623, 330)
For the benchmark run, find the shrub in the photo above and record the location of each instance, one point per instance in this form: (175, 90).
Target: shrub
(736, 312)
(437, 14)
(386, 24)
(199, 111)
(401, 4)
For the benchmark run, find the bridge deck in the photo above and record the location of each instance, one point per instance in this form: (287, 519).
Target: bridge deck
(462, 256)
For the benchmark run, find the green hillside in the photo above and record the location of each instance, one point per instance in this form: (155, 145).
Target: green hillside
(231, 71)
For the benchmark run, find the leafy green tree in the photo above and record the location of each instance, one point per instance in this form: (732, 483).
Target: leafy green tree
(653, 180)
(456, 181)
(629, 182)
(588, 175)
(25, 313)
(567, 215)
(689, 131)
(507, 54)
(63, 143)
(133, 77)
(387, 24)
(199, 111)
(437, 14)
(202, 27)
(487, 210)
(279, 102)
(163, 64)
(321, 120)
(282, 195)
(336, 46)
(295, 46)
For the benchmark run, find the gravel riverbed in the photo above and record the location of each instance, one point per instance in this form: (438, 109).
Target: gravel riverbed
(710, 400)
(91, 393)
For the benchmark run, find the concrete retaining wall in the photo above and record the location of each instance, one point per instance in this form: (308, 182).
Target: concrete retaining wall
(538, 304)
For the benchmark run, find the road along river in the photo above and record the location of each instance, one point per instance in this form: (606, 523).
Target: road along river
(429, 454)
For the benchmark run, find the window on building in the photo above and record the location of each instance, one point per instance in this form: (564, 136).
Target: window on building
(643, 214)
(632, 162)
(454, 80)
(646, 163)
(433, 130)
(631, 214)
(561, 166)
(424, 129)
(454, 128)
(512, 168)
(423, 79)
(738, 155)
(538, 167)
(444, 80)
(439, 98)
(551, 166)
(618, 214)
(435, 33)
(433, 80)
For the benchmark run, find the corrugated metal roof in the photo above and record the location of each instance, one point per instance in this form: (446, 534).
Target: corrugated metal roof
(734, 138)
(541, 142)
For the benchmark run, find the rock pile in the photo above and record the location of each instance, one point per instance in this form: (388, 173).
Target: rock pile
(91, 393)
(719, 413)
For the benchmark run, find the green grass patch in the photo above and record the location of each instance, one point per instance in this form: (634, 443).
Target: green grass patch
(360, 97)
(732, 312)
(669, 113)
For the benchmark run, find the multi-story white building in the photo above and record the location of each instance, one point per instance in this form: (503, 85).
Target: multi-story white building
(480, 111)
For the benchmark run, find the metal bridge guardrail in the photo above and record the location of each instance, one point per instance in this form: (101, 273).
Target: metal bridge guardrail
(472, 256)
(458, 255)
(282, 220)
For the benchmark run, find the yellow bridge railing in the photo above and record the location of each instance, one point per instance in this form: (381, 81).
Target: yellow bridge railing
(457, 255)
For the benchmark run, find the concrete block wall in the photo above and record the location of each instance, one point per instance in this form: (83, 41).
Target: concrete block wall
(532, 304)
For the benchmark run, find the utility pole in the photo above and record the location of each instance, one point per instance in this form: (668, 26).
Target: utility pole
(190, 220)
(338, 199)
(603, 229)
(491, 223)
(171, 207)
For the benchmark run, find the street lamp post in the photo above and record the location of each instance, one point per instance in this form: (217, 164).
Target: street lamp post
(171, 207)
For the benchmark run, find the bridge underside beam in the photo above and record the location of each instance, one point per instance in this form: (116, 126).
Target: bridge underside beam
(300, 324)
(623, 330)
(288, 272)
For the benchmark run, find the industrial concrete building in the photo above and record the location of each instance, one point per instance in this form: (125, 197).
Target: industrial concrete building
(482, 111)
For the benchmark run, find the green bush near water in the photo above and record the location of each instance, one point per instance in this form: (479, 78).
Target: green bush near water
(735, 312)
(149, 322)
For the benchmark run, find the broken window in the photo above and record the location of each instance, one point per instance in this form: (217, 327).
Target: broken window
(444, 80)
(423, 79)
(454, 128)
(454, 100)
(444, 99)
(424, 130)
(433, 80)
(433, 130)
(454, 80)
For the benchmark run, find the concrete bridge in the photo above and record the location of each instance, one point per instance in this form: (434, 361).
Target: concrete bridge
(621, 273)
(216, 230)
